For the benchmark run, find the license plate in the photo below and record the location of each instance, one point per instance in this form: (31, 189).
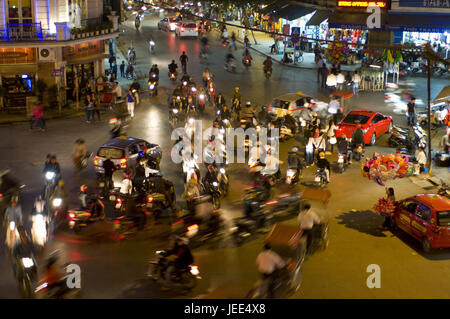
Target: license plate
(317, 179)
(340, 160)
(118, 206)
(112, 197)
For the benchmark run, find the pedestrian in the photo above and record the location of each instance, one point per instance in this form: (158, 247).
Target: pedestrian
(122, 69)
(444, 144)
(37, 117)
(114, 71)
(340, 80)
(112, 60)
(324, 74)
(334, 107)
(118, 92)
(320, 65)
(130, 103)
(411, 111)
(306, 220)
(356, 80)
(89, 109)
(421, 159)
(390, 196)
(330, 130)
(109, 169)
(233, 41)
(130, 71)
(184, 60)
(135, 88)
(332, 81)
(96, 107)
(309, 152)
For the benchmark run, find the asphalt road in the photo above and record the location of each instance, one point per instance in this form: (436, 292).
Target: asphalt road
(112, 270)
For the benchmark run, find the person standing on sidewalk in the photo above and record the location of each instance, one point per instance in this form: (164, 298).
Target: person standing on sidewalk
(411, 111)
(320, 65)
(89, 109)
(324, 74)
(96, 107)
(136, 87)
(114, 71)
(130, 103)
(122, 69)
(233, 41)
(356, 79)
(184, 60)
(118, 92)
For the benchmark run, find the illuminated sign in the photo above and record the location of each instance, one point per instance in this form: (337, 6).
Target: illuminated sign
(361, 4)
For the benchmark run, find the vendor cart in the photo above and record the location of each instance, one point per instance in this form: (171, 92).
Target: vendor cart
(343, 95)
(106, 95)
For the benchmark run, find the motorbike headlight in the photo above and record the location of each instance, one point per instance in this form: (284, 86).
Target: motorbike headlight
(152, 86)
(202, 96)
(39, 218)
(222, 131)
(222, 147)
(233, 229)
(225, 121)
(27, 262)
(222, 170)
(175, 111)
(184, 83)
(49, 175)
(57, 202)
(152, 43)
(178, 98)
(134, 91)
(193, 89)
(12, 226)
(215, 184)
(191, 121)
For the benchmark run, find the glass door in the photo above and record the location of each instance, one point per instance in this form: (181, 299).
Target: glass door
(20, 20)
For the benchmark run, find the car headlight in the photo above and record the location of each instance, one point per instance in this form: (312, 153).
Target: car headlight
(57, 202)
(50, 175)
(27, 262)
(222, 170)
(175, 111)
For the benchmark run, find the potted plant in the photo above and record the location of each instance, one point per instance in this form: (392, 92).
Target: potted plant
(74, 33)
(91, 31)
(97, 29)
(110, 26)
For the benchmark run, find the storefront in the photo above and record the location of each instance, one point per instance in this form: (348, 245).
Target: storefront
(419, 22)
(18, 70)
(84, 62)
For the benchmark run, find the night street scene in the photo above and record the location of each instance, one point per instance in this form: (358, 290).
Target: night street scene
(235, 149)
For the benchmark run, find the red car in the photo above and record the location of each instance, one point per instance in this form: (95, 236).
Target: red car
(374, 125)
(426, 218)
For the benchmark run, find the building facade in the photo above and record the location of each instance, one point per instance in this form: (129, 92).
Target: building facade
(61, 42)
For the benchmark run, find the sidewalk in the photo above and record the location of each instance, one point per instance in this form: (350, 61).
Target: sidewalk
(22, 118)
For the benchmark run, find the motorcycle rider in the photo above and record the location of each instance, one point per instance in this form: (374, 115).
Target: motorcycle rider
(13, 213)
(236, 100)
(269, 263)
(263, 116)
(294, 161)
(267, 64)
(220, 101)
(79, 152)
(91, 202)
(324, 164)
(154, 70)
(173, 68)
(23, 249)
(53, 275)
(136, 86)
(272, 167)
(61, 192)
(248, 112)
(109, 169)
(229, 59)
(185, 78)
(116, 130)
(343, 148)
(54, 167)
(191, 192)
(206, 76)
(358, 136)
(139, 176)
(210, 177)
(179, 258)
(247, 56)
(306, 220)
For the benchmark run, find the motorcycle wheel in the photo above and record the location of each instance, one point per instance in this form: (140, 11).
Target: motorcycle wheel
(76, 228)
(224, 189)
(153, 272)
(188, 281)
(25, 287)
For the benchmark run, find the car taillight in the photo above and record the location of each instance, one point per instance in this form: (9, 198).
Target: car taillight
(270, 107)
(182, 29)
(177, 222)
(119, 200)
(123, 163)
(116, 222)
(71, 215)
(192, 227)
(96, 160)
(149, 199)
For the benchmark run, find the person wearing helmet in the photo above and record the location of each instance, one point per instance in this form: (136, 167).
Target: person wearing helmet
(343, 148)
(248, 112)
(294, 161)
(13, 213)
(210, 176)
(82, 195)
(79, 152)
(263, 116)
(358, 136)
(53, 166)
(324, 164)
(178, 258)
(173, 68)
(267, 64)
(185, 78)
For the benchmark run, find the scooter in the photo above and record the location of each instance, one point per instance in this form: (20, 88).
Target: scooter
(79, 218)
(268, 72)
(152, 46)
(173, 76)
(342, 162)
(292, 176)
(320, 177)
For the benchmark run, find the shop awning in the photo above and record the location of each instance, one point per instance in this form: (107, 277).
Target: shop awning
(18, 69)
(289, 10)
(319, 17)
(419, 22)
(88, 59)
(352, 20)
(443, 96)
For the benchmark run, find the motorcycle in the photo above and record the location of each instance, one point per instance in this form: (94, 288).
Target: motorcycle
(230, 66)
(282, 207)
(212, 189)
(153, 85)
(173, 116)
(127, 226)
(39, 233)
(152, 46)
(267, 72)
(444, 190)
(58, 291)
(246, 61)
(224, 181)
(401, 139)
(292, 176)
(245, 228)
(186, 279)
(342, 162)
(173, 76)
(358, 152)
(50, 184)
(211, 94)
(58, 216)
(201, 103)
(320, 178)
(25, 273)
(79, 218)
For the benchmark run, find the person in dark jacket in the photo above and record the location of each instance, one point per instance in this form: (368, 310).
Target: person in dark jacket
(179, 258)
(109, 168)
(343, 146)
(358, 136)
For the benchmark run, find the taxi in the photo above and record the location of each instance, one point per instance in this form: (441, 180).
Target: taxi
(426, 217)
(293, 103)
